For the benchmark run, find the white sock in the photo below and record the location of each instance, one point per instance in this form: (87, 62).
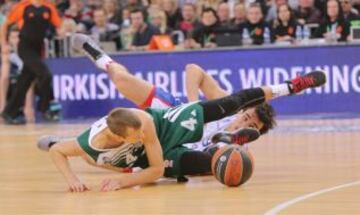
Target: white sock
(280, 90)
(103, 62)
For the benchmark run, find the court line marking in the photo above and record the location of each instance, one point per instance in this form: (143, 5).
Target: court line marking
(284, 205)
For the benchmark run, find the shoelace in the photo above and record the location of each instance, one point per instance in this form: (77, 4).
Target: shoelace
(240, 140)
(301, 83)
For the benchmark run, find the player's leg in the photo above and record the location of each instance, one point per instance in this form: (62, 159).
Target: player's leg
(223, 107)
(197, 79)
(181, 161)
(133, 88)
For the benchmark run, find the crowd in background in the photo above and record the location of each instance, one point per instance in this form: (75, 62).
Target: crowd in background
(139, 25)
(191, 24)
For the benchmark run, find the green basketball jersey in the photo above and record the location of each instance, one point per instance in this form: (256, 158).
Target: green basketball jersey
(178, 125)
(123, 156)
(174, 127)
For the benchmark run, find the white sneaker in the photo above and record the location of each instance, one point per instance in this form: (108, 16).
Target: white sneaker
(45, 142)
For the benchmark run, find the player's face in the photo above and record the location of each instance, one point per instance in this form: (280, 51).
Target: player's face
(246, 119)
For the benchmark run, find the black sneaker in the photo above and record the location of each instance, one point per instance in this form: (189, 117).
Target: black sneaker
(239, 137)
(83, 43)
(310, 80)
(18, 120)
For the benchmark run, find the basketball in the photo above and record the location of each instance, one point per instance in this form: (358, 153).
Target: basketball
(232, 165)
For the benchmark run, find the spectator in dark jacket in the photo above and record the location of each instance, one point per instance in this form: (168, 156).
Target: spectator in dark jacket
(334, 25)
(143, 31)
(255, 25)
(350, 13)
(205, 34)
(284, 26)
(307, 13)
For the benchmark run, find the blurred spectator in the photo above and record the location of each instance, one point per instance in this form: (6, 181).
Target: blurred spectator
(133, 4)
(205, 34)
(68, 27)
(143, 31)
(189, 19)
(223, 12)
(239, 14)
(173, 13)
(334, 27)
(126, 31)
(285, 25)
(4, 9)
(350, 13)
(94, 4)
(113, 12)
(104, 31)
(158, 19)
(255, 27)
(272, 11)
(80, 13)
(184, 2)
(62, 6)
(307, 13)
(202, 4)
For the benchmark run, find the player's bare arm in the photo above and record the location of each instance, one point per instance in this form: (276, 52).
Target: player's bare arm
(154, 155)
(59, 153)
(197, 79)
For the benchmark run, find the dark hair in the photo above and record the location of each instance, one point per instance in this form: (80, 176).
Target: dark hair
(292, 16)
(266, 114)
(340, 18)
(119, 119)
(211, 10)
(256, 5)
(139, 10)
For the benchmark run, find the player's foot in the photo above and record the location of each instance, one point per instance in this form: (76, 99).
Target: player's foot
(310, 80)
(45, 142)
(239, 137)
(85, 44)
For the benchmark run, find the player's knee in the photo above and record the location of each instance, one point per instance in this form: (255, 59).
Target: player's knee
(192, 68)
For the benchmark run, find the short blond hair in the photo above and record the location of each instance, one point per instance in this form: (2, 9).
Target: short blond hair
(119, 119)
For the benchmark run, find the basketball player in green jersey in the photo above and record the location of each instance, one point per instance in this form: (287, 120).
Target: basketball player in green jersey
(136, 138)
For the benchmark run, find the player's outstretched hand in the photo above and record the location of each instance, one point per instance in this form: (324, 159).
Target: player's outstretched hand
(77, 186)
(110, 185)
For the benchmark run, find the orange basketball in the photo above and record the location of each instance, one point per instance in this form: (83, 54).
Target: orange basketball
(232, 165)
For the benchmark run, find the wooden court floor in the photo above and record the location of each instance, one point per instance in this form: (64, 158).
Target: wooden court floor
(303, 167)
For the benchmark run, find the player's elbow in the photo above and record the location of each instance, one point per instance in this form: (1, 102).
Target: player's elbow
(159, 171)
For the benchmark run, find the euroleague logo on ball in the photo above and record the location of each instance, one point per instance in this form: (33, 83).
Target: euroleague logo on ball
(223, 158)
